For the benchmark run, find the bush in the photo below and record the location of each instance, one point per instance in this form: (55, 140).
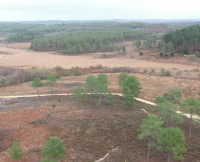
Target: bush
(168, 73)
(179, 72)
(122, 69)
(145, 71)
(152, 71)
(76, 71)
(162, 72)
(165, 73)
(104, 55)
(66, 73)
(141, 53)
(197, 54)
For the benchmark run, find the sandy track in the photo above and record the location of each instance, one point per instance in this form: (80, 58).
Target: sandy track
(26, 59)
(116, 94)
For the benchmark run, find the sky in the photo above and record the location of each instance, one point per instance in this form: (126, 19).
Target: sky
(32, 10)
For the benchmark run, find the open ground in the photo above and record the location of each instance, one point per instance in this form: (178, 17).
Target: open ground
(88, 132)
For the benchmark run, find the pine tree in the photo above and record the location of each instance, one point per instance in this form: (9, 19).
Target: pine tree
(131, 89)
(172, 141)
(150, 129)
(192, 106)
(53, 150)
(15, 151)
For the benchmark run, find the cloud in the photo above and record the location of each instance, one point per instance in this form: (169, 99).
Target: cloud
(97, 9)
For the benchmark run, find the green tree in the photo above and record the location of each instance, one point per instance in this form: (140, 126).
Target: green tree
(97, 86)
(192, 106)
(37, 84)
(51, 81)
(167, 112)
(102, 86)
(124, 49)
(15, 151)
(172, 141)
(138, 44)
(91, 85)
(131, 89)
(80, 95)
(150, 129)
(53, 150)
(174, 96)
(122, 76)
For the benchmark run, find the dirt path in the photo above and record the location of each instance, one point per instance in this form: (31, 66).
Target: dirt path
(117, 94)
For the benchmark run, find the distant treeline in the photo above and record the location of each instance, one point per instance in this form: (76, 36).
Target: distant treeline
(185, 40)
(23, 37)
(85, 42)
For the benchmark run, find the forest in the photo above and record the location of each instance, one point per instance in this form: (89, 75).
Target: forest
(86, 42)
(185, 40)
(75, 38)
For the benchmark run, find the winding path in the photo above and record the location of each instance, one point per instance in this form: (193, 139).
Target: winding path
(195, 117)
(116, 94)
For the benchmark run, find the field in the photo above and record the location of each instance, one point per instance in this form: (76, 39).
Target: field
(88, 132)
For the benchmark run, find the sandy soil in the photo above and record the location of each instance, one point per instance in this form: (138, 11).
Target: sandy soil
(26, 59)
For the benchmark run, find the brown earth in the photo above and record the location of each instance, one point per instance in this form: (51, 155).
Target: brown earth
(88, 132)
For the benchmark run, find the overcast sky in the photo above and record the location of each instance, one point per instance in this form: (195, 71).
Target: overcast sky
(19, 10)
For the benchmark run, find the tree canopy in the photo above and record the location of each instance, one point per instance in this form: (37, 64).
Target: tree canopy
(172, 141)
(182, 38)
(15, 151)
(131, 88)
(53, 149)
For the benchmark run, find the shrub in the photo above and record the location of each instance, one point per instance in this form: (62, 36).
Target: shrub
(165, 73)
(197, 54)
(122, 69)
(104, 55)
(168, 73)
(76, 71)
(162, 72)
(179, 72)
(145, 71)
(152, 71)
(66, 73)
(141, 53)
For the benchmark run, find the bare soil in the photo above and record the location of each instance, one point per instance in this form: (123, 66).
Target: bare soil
(88, 132)
(23, 58)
